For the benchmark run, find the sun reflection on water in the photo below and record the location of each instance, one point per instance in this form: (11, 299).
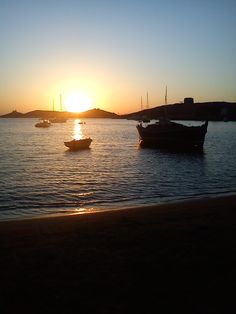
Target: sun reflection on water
(78, 132)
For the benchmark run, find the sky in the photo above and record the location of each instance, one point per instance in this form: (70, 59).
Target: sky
(108, 54)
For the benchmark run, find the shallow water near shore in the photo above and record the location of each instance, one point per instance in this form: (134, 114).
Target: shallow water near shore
(39, 176)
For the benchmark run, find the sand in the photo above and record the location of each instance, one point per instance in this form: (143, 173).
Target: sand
(159, 259)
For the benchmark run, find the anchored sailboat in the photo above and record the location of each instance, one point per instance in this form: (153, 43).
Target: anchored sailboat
(172, 135)
(59, 118)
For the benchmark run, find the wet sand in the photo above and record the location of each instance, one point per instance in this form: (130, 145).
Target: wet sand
(159, 259)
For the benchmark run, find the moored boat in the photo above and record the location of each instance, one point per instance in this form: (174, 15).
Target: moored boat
(172, 135)
(78, 144)
(43, 124)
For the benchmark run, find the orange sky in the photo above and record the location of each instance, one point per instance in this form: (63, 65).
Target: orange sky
(110, 55)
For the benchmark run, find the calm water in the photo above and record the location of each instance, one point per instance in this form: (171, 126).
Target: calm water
(39, 176)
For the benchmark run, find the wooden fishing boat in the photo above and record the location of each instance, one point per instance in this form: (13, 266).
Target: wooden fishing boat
(172, 135)
(78, 144)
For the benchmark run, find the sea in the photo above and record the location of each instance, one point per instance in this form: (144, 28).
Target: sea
(40, 177)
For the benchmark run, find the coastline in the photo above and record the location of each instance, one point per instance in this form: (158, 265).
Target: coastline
(170, 256)
(88, 211)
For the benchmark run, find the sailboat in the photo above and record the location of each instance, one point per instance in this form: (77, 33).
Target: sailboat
(171, 135)
(144, 118)
(58, 119)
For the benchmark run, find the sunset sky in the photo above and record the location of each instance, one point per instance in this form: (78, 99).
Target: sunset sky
(108, 53)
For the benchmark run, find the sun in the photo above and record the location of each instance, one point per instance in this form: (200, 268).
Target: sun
(77, 102)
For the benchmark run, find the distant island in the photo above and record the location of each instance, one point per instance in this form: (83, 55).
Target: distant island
(211, 111)
(188, 110)
(45, 114)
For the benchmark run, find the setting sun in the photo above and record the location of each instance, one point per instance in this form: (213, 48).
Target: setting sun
(77, 102)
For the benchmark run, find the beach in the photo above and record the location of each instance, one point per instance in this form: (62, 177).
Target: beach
(170, 257)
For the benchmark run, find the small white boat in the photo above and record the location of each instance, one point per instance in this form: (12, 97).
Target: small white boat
(43, 124)
(78, 144)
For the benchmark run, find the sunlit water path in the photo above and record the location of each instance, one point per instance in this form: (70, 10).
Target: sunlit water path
(39, 176)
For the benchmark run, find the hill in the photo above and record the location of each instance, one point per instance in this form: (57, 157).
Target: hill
(44, 114)
(98, 113)
(212, 111)
(13, 114)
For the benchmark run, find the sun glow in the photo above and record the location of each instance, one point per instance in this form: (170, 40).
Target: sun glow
(77, 102)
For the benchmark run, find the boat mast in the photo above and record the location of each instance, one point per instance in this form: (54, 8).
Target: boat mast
(141, 103)
(53, 108)
(147, 101)
(165, 108)
(60, 102)
(166, 96)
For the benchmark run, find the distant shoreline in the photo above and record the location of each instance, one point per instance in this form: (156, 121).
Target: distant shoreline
(211, 111)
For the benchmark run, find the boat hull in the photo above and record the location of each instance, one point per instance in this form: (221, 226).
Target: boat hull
(172, 136)
(78, 144)
(43, 124)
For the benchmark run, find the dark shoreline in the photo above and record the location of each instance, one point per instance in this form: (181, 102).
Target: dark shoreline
(211, 111)
(170, 257)
(88, 211)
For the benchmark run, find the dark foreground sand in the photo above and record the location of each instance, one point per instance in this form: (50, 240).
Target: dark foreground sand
(164, 259)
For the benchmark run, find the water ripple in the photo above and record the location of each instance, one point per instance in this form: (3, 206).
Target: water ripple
(39, 176)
